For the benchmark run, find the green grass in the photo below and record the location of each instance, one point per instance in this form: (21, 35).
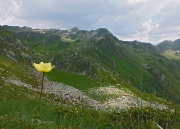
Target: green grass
(18, 105)
(8, 34)
(104, 52)
(17, 112)
(78, 81)
(171, 55)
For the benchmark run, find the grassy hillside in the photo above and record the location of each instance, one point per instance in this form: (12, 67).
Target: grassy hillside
(100, 59)
(19, 105)
(97, 61)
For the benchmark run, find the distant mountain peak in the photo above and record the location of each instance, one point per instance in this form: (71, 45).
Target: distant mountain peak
(177, 40)
(168, 44)
(102, 31)
(167, 41)
(74, 29)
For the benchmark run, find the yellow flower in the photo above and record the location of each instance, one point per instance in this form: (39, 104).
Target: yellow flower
(43, 67)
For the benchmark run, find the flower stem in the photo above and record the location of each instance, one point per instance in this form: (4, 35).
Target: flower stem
(42, 86)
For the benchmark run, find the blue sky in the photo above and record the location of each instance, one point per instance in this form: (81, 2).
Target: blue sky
(143, 20)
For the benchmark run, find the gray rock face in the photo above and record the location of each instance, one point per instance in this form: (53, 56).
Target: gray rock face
(14, 49)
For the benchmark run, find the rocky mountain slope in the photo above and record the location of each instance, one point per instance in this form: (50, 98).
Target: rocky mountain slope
(96, 58)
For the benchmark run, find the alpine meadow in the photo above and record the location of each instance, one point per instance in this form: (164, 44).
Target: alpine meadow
(79, 79)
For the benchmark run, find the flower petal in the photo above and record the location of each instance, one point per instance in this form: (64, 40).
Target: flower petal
(38, 67)
(43, 67)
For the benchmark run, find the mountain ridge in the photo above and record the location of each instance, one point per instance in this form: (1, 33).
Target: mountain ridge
(104, 59)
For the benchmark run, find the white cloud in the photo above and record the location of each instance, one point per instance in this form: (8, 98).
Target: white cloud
(144, 20)
(9, 11)
(149, 25)
(136, 1)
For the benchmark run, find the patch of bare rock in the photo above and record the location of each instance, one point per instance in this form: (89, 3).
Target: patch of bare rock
(123, 99)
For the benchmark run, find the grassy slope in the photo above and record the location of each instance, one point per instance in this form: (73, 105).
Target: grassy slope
(112, 64)
(79, 81)
(18, 105)
(169, 68)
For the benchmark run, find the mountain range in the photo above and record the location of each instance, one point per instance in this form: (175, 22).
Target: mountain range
(96, 58)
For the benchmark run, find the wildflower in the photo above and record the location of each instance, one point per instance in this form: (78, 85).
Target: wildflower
(43, 67)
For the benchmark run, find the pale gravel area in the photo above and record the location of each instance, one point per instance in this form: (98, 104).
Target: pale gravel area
(124, 99)
(126, 102)
(70, 94)
(65, 92)
(109, 90)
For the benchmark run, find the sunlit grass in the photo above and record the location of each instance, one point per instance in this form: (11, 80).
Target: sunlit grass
(78, 81)
(171, 55)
